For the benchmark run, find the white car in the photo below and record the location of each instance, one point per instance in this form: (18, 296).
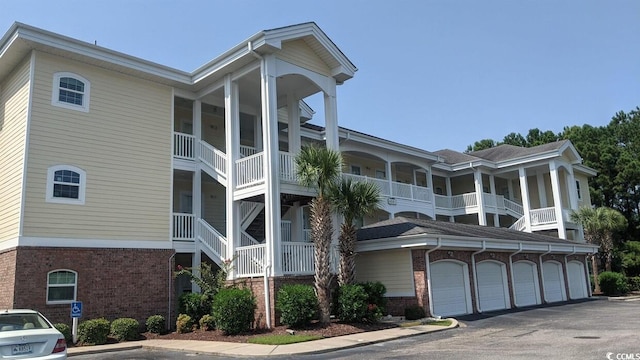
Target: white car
(27, 334)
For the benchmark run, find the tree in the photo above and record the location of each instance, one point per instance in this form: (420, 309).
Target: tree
(352, 200)
(481, 145)
(599, 224)
(318, 168)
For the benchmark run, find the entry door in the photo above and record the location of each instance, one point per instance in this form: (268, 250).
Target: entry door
(553, 282)
(450, 288)
(525, 276)
(493, 293)
(577, 280)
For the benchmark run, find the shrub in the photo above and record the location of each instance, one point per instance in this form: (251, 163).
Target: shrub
(65, 330)
(125, 329)
(184, 324)
(207, 323)
(195, 305)
(234, 310)
(634, 283)
(94, 331)
(414, 312)
(155, 324)
(352, 303)
(377, 303)
(613, 283)
(298, 304)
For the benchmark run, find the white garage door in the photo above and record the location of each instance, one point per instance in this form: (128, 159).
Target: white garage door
(493, 292)
(553, 282)
(577, 280)
(450, 288)
(525, 278)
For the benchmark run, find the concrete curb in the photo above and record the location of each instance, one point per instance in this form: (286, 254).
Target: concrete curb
(624, 298)
(245, 349)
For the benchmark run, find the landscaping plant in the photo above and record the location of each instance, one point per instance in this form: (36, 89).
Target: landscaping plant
(234, 310)
(297, 304)
(94, 331)
(125, 329)
(155, 324)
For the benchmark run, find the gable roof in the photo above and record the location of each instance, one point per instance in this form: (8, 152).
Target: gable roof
(507, 152)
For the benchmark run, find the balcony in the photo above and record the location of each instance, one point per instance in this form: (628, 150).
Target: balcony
(393, 189)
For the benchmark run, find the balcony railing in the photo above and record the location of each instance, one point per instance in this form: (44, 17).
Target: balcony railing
(396, 189)
(543, 216)
(297, 258)
(183, 146)
(183, 226)
(250, 170)
(249, 260)
(288, 167)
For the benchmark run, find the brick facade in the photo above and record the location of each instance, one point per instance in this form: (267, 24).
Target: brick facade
(112, 283)
(7, 278)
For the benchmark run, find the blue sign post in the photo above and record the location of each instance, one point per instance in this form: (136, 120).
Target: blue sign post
(76, 313)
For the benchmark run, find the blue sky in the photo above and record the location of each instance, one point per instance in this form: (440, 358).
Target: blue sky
(432, 74)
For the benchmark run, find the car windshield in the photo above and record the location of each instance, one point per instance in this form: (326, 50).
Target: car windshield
(22, 321)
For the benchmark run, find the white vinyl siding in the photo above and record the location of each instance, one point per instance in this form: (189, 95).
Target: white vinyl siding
(123, 144)
(393, 268)
(299, 53)
(14, 101)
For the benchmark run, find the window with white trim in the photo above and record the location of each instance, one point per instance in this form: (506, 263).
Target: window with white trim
(62, 286)
(66, 184)
(355, 170)
(70, 91)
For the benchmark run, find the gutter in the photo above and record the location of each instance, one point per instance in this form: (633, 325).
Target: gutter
(168, 322)
(267, 299)
(475, 277)
(542, 271)
(566, 271)
(513, 281)
(428, 268)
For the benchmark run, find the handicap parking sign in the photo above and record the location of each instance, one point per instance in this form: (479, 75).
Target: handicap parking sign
(76, 309)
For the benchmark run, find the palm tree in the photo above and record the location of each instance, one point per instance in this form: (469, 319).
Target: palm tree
(319, 168)
(352, 200)
(599, 224)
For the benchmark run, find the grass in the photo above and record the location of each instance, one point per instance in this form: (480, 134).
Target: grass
(282, 339)
(435, 323)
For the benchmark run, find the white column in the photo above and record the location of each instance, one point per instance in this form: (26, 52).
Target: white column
(232, 142)
(524, 193)
(271, 178)
(258, 133)
(572, 189)
(331, 116)
(449, 194)
(512, 195)
(429, 175)
(296, 222)
(477, 180)
(557, 199)
(542, 192)
(492, 188)
(196, 191)
(389, 177)
(293, 109)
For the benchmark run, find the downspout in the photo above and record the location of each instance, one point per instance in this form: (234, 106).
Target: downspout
(253, 52)
(542, 271)
(267, 300)
(429, 293)
(566, 271)
(170, 283)
(513, 280)
(475, 277)
(586, 270)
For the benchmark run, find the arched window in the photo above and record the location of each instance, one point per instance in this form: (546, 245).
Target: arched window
(61, 286)
(66, 184)
(70, 91)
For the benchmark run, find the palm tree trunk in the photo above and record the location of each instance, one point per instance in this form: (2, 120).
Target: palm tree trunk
(347, 273)
(596, 283)
(321, 232)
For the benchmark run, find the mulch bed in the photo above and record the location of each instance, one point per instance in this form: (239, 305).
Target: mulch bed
(331, 330)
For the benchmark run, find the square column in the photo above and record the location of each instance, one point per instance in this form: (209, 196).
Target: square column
(557, 200)
(477, 180)
(331, 116)
(524, 193)
(293, 110)
(232, 141)
(449, 195)
(196, 192)
(492, 188)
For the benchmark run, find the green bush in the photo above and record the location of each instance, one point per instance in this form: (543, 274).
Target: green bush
(184, 324)
(234, 310)
(195, 305)
(65, 330)
(94, 331)
(206, 323)
(377, 303)
(297, 304)
(125, 329)
(613, 283)
(155, 324)
(352, 303)
(414, 312)
(634, 283)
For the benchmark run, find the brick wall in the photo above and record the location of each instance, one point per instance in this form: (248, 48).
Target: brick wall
(7, 278)
(112, 283)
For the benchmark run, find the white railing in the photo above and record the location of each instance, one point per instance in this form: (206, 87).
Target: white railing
(491, 200)
(285, 230)
(183, 226)
(246, 207)
(183, 146)
(250, 170)
(395, 189)
(513, 207)
(443, 201)
(383, 185)
(306, 235)
(212, 239)
(543, 216)
(213, 157)
(246, 239)
(288, 167)
(421, 193)
(247, 151)
(464, 200)
(297, 258)
(249, 260)
(519, 225)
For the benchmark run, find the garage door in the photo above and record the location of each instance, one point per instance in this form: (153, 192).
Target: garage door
(577, 280)
(450, 288)
(525, 278)
(493, 291)
(553, 282)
